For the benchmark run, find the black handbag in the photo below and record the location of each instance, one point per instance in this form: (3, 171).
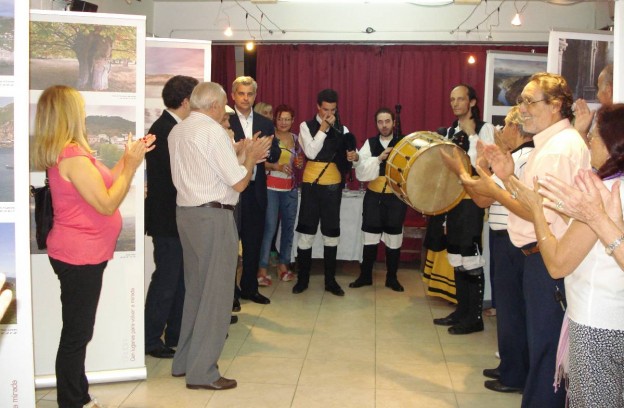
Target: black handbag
(44, 213)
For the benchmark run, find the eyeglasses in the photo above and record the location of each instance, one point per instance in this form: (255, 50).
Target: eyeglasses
(528, 102)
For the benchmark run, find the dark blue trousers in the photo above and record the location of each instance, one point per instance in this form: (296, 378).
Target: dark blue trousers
(510, 310)
(165, 295)
(251, 233)
(544, 316)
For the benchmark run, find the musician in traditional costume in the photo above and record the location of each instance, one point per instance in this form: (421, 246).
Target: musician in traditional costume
(383, 212)
(330, 150)
(462, 226)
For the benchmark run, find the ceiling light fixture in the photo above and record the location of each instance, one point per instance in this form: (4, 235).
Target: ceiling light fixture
(517, 20)
(249, 46)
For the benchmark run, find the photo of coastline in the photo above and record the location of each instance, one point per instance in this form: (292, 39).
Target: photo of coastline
(7, 267)
(162, 63)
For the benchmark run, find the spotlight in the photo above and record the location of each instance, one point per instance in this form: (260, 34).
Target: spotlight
(516, 21)
(471, 59)
(228, 31)
(249, 46)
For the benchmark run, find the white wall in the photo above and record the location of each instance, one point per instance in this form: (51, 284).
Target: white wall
(136, 7)
(392, 22)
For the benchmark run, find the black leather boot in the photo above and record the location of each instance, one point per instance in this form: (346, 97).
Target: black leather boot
(329, 253)
(473, 321)
(461, 295)
(304, 262)
(392, 264)
(369, 255)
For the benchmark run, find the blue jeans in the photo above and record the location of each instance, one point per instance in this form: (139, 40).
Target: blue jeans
(284, 205)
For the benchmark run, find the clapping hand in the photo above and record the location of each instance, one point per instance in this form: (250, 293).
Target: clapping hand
(453, 162)
(501, 162)
(586, 200)
(135, 150)
(530, 199)
(258, 147)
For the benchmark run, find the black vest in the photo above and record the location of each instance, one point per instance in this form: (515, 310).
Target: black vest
(461, 138)
(376, 148)
(334, 147)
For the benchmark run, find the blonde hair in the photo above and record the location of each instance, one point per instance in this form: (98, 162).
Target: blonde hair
(514, 117)
(59, 121)
(244, 80)
(262, 107)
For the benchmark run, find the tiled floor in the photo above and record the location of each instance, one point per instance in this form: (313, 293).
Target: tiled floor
(372, 348)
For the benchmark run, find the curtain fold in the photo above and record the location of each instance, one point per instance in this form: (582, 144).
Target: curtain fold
(223, 67)
(367, 77)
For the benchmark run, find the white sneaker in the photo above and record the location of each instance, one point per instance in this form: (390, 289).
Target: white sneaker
(93, 404)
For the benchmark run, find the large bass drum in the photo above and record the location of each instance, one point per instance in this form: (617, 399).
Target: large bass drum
(418, 176)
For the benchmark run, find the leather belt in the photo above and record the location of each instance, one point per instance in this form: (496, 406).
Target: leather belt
(214, 204)
(530, 249)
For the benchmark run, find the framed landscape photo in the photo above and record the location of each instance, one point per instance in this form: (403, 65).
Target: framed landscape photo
(506, 74)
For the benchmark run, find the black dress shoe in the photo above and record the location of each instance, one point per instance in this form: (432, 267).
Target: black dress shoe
(178, 375)
(394, 285)
(161, 352)
(491, 373)
(495, 385)
(334, 289)
(236, 306)
(359, 282)
(299, 288)
(449, 320)
(233, 319)
(466, 328)
(257, 298)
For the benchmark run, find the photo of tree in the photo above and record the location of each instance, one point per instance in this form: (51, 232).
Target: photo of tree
(88, 57)
(7, 159)
(7, 30)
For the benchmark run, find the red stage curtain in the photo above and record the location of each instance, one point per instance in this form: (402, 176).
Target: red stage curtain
(223, 67)
(419, 77)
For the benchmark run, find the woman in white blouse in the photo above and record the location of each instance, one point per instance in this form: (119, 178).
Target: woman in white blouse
(590, 256)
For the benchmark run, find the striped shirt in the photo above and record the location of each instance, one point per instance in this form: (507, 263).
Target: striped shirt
(498, 212)
(204, 166)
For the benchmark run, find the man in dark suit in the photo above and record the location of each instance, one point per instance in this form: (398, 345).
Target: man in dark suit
(165, 295)
(253, 200)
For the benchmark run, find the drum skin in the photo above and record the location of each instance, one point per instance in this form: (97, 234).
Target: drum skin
(418, 176)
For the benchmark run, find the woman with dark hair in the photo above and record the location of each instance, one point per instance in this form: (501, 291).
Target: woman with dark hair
(87, 222)
(590, 256)
(282, 197)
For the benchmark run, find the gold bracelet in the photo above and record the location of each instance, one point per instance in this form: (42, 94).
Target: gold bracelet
(546, 237)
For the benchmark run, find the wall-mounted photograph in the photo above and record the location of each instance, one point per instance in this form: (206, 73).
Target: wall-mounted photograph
(162, 63)
(7, 36)
(579, 57)
(7, 267)
(88, 57)
(506, 74)
(7, 159)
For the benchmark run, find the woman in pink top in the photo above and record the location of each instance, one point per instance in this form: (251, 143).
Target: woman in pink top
(86, 197)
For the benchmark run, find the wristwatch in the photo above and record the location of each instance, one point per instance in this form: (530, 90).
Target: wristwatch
(612, 246)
